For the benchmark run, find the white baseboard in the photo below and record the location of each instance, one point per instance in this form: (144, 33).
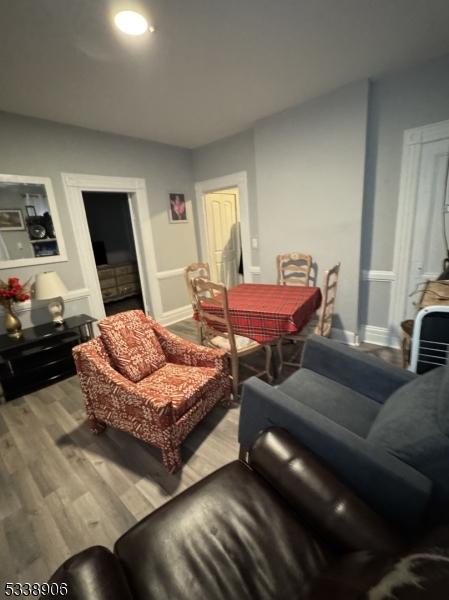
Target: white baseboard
(178, 314)
(381, 336)
(347, 337)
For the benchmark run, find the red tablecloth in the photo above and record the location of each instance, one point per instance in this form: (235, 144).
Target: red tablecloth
(266, 312)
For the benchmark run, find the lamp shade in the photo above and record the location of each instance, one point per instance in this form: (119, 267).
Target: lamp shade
(49, 285)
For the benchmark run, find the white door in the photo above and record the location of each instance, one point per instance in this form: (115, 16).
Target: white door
(138, 244)
(221, 211)
(432, 203)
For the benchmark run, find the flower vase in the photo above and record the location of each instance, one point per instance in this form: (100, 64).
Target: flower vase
(13, 325)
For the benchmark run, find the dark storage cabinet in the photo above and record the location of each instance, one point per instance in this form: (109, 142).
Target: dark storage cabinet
(42, 356)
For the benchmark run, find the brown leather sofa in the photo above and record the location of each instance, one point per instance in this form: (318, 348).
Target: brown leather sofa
(279, 526)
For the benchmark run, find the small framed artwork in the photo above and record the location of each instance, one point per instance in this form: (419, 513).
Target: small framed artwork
(11, 219)
(177, 210)
(31, 210)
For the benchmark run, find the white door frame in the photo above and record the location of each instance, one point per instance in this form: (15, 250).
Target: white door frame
(413, 142)
(74, 186)
(238, 180)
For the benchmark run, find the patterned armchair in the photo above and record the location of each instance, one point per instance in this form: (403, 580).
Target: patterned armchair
(140, 378)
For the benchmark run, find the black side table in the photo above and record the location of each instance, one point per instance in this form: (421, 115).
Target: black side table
(42, 356)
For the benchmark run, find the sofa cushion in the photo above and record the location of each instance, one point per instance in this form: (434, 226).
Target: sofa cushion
(179, 385)
(230, 536)
(414, 425)
(132, 344)
(333, 400)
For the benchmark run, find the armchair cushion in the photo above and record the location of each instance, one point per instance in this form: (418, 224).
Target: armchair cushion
(180, 386)
(335, 401)
(134, 348)
(414, 426)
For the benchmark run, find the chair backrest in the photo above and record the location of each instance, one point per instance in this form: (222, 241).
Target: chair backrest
(430, 341)
(294, 268)
(211, 302)
(433, 293)
(199, 269)
(324, 326)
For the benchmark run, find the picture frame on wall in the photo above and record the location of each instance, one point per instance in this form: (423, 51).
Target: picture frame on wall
(177, 210)
(11, 219)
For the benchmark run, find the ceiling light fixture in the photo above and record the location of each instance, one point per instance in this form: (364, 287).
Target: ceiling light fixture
(132, 23)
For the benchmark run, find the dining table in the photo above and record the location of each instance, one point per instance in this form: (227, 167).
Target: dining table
(265, 312)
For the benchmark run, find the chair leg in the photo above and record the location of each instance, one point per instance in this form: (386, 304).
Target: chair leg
(280, 356)
(171, 457)
(268, 362)
(95, 426)
(405, 346)
(243, 454)
(235, 377)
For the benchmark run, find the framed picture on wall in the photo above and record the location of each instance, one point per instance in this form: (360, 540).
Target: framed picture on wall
(177, 210)
(11, 219)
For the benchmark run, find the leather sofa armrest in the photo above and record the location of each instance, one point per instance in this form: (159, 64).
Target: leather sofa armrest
(312, 490)
(353, 368)
(392, 487)
(94, 574)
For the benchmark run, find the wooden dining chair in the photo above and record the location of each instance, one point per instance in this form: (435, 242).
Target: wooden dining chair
(218, 332)
(321, 323)
(199, 269)
(294, 269)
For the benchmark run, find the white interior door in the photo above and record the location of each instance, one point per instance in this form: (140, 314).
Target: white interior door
(428, 247)
(221, 211)
(140, 263)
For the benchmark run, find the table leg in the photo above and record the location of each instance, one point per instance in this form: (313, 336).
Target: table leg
(280, 356)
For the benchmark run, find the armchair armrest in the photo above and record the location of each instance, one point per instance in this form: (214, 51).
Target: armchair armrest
(389, 485)
(181, 351)
(359, 371)
(313, 490)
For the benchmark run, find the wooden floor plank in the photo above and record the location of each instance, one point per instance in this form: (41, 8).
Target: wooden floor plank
(63, 488)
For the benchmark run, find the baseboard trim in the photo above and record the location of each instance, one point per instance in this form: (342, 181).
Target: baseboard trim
(178, 314)
(380, 336)
(347, 337)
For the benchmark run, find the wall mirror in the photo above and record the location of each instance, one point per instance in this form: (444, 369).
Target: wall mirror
(30, 230)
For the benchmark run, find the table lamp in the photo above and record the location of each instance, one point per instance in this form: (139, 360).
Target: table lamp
(49, 286)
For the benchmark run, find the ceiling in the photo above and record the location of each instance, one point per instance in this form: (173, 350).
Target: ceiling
(212, 68)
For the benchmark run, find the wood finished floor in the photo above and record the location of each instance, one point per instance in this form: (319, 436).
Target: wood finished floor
(63, 489)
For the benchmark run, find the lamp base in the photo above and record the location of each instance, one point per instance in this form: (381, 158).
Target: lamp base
(56, 309)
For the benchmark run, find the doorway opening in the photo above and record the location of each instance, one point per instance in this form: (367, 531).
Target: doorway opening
(222, 221)
(109, 219)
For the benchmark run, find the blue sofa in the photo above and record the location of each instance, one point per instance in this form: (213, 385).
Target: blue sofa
(382, 429)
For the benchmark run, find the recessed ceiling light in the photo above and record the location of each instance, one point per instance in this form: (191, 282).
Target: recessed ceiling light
(132, 23)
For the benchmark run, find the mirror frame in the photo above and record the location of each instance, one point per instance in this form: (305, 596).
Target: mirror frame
(38, 260)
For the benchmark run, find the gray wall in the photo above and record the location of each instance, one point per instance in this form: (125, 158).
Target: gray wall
(227, 156)
(310, 171)
(42, 148)
(403, 100)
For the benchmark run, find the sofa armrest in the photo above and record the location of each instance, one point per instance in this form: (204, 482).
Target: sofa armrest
(94, 574)
(393, 488)
(358, 370)
(181, 351)
(315, 492)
